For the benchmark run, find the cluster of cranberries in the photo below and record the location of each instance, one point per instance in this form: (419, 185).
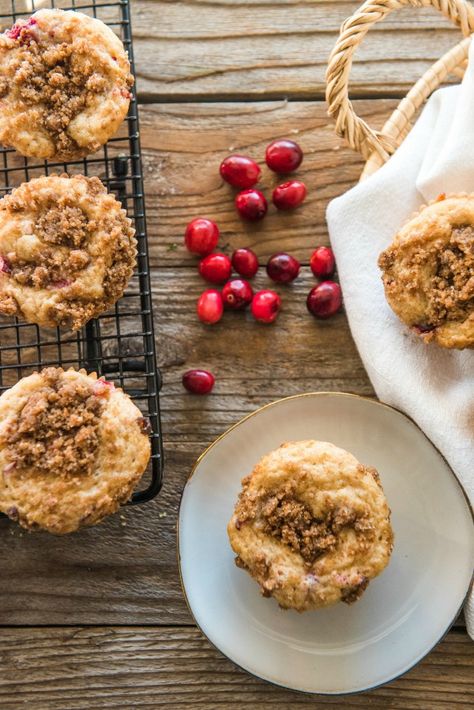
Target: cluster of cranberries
(202, 238)
(281, 156)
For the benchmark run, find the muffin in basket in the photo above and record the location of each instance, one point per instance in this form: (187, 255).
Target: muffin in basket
(428, 272)
(67, 251)
(64, 85)
(72, 449)
(311, 525)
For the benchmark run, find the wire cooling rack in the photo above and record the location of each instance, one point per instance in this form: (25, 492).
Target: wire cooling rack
(120, 343)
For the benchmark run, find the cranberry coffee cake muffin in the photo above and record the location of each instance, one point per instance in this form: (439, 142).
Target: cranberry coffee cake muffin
(72, 449)
(67, 251)
(64, 85)
(428, 272)
(311, 525)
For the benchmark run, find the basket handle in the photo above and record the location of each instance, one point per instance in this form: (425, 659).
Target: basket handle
(358, 133)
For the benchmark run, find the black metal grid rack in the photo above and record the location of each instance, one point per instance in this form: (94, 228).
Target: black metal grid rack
(120, 343)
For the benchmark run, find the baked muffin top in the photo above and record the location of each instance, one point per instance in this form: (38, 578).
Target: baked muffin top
(311, 525)
(64, 85)
(67, 251)
(428, 272)
(72, 448)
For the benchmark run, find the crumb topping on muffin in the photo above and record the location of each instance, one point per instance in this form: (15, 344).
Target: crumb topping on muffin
(72, 449)
(67, 250)
(56, 430)
(291, 521)
(311, 525)
(428, 272)
(55, 67)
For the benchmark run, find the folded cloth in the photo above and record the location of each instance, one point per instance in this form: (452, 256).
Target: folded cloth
(432, 385)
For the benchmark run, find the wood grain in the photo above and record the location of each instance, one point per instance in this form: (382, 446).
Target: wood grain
(84, 668)
(124, 571)
(191, 53)
(183, 145)
(220, 49)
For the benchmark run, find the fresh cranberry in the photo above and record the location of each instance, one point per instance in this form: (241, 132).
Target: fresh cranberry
(289, 195)
(283, 268)
(240, 171)
(322, 262)
(251, 205)
(20, 30)
(237, 294)
(422, 328)
(62, 283)
(283, 156)
(325, 299)
(201, 236)
(5, 266)
(245, 262)
(198, 381)
(265, 306)
(210, 306)
(215, 268)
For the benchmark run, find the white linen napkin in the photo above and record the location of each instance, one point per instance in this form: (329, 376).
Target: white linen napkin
(434, 386)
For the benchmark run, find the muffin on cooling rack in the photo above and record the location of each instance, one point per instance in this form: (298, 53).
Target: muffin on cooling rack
(311, 525)
(64, 85)
(428, 272)
(67, 251)
(72, 449)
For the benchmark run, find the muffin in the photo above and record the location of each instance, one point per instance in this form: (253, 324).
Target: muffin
(72, 449)
(428, 272)
(311, 525)
(64, 85)
(67, 251)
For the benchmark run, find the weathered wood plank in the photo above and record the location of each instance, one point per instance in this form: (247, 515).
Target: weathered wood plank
(57, 668)
(125, 570)
(183, 145)
(224, 49)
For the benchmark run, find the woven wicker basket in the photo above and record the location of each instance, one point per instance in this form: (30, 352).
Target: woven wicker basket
(377, 146)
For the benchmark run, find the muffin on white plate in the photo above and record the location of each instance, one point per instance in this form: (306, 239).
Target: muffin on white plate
(311, 525)
(67, 251)
(72, 449)
(64, 85)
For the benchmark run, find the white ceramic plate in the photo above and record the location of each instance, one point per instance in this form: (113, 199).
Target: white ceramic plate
(403, 613)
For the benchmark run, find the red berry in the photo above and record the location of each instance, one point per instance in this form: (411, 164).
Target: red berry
(20, 30)
(283, 268)
(237, 294)
(325, 299)
(245, 262)
(240, 171)
(265, 306)
(251, 204)
(215, 268)
(201, 236)
(5, 266)
(289, 195)
(322, 262)
(210, 306)
(283, 156)
(198, 381)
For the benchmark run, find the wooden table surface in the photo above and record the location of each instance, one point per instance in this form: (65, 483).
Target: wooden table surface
(97, 619)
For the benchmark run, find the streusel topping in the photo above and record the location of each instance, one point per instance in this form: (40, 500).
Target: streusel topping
(290, 520)
(57, 428)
